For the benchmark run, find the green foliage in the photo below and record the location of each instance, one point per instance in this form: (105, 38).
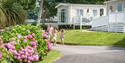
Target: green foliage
(43, 26)
(2, 19)
(27, 4)
(14, 12)
(5, 57)
(7, 36)
(24, 31)
(34, 23)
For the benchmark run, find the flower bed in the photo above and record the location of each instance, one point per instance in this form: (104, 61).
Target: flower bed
(24, 44)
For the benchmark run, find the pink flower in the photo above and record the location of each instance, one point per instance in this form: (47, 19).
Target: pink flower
(25, 37)
(25, 40)
(9, 46)
(45, 36)
(22, 56)
(19, 36)
(13, 43)
(0, 55)
(33, 44)
(26, 54)
(30, 58)
(13, 51)
(27, 47)
(30, 51)
(19, 58)
(30, 36)
(49, 45)
(21, 52)
(16, 54)
(36, 57)
(29, 62)
(33, 34)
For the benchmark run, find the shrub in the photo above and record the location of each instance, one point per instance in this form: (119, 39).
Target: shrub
(25, 44)
(43, 26)
(34, 23)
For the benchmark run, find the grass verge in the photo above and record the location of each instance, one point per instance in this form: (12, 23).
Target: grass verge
(51, 57)
(78, 37)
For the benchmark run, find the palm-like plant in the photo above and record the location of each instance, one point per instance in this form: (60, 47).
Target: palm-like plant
(2, 19)
(13, 12)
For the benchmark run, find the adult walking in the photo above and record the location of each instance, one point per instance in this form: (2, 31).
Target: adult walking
(50, 30)
(55, 36)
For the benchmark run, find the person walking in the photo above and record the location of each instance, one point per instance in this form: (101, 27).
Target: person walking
(50, 30)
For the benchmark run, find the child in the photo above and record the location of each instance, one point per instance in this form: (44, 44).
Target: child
(54, 35)
(62, 36)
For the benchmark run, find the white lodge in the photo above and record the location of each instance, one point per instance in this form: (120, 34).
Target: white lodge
(77, 14)
(109, 17)
(115, 19)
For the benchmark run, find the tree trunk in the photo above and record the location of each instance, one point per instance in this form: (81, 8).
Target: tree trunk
(40, 12)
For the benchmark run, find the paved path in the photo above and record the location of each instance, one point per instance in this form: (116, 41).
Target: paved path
(90, 54)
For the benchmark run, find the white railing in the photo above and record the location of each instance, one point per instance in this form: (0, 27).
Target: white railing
(111, 18)
(117, 17)
(82, 20)
(83, 23)
(102, 21)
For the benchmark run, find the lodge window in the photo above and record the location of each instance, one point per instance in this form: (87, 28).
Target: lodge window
(111, 9)
(79, 14)
(95, 13)
(87, 10)
(63, 15)
(101, 12)
(119, 7)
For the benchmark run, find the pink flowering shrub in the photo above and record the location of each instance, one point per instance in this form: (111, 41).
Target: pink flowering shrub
(27, 54)
(28, 45)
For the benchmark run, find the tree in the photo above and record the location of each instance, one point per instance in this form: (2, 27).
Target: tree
(27, 4)
(13, 12)
(40, 11)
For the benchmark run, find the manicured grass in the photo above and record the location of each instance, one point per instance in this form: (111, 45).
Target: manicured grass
(78, 37)
(51, 57)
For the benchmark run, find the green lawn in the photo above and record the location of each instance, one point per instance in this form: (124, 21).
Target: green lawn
(51, 57)
(77, 37)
